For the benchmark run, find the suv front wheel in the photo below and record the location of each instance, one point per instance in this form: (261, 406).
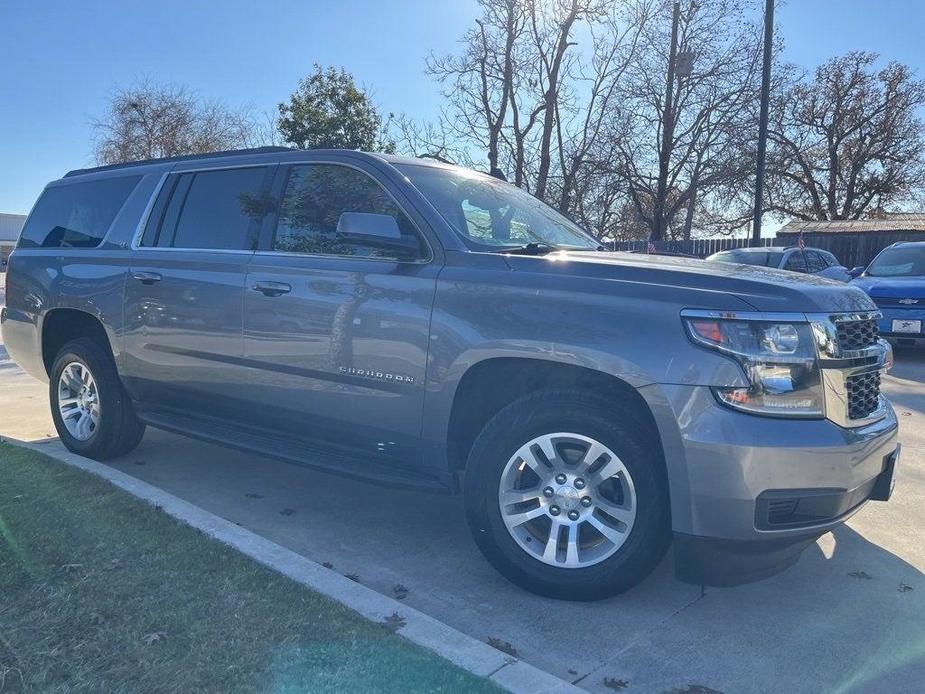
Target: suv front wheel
(566, 496)
(91, 410)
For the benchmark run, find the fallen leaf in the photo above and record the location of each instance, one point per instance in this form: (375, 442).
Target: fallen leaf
(503, 646)
(153, 637)
(903, 588)
(612, 683)
(19, 497)
(400, 591)
(572, 672)
(287, 512)
(394, 622)
(859, 574)
(353, 577)
(327, 565)
(253, 495)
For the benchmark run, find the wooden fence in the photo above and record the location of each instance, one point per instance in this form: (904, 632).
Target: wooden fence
(699, 248)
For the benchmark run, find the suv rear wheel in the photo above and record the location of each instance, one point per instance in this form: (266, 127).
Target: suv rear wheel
(91, 410)
(566, 497)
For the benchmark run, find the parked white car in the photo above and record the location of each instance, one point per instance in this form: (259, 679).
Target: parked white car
(810, 261)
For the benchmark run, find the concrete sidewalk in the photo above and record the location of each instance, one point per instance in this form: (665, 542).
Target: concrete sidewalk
(847, 617)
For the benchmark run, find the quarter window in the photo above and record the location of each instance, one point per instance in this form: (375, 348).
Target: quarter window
(219, 210)
(315, 197)
(76, 215)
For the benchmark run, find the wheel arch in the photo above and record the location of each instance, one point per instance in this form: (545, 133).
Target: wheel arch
(61, 325)
(489, 385)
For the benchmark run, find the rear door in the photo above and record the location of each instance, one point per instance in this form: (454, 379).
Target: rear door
(184, 292)
(336, 331)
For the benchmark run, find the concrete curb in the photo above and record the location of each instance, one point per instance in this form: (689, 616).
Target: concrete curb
(464, 651)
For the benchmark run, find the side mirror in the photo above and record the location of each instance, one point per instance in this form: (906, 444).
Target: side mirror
(856, 271)
(376, 230)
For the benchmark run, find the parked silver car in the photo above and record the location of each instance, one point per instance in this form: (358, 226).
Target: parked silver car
(809, 261)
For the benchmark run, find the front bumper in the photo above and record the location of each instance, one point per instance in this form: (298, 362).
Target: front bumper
(750, 493)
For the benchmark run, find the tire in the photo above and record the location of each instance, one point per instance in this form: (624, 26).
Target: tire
(603, 563)
(117, 430)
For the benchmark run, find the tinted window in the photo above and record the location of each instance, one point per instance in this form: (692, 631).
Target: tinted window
(212, 209)
(814, 261)
(796, 262)
(830, 260)
(76, 215)
(316, 196)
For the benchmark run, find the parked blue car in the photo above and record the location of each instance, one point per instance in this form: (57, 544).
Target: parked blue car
(895, 280)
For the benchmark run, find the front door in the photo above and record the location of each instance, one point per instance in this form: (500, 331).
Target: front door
(336, 332)
(184, 294)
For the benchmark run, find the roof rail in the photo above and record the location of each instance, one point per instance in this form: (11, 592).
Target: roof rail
(185, 157)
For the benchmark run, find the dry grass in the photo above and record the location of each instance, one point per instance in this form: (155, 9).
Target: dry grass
(102, 592)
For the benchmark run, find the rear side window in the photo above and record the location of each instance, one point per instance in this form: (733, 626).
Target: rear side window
(76, 215)
(316, 196)
(219, 210)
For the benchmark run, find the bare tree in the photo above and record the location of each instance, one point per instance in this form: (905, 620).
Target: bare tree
(149, 120)
(678, 146)
(846, 142)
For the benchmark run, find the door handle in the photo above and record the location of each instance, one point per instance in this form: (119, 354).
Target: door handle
(272, 288)
(147, 277)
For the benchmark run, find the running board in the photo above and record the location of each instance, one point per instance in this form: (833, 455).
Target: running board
(310, 453)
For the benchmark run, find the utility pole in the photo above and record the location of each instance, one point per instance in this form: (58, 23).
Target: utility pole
(658, 213)
(763, 120)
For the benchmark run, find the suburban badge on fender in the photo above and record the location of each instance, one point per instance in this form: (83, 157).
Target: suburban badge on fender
(908, 301)
(377, 375)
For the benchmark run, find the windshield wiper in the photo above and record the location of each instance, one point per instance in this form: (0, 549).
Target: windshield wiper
(532, 248)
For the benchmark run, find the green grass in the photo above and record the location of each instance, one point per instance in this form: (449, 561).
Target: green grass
(102, 592)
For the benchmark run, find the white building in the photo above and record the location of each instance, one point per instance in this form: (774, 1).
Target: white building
(10, 226)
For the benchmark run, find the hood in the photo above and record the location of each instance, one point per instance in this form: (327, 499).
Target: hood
(891, 287)
(764, 289)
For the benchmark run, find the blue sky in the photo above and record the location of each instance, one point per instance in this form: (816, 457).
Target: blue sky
(59, 61)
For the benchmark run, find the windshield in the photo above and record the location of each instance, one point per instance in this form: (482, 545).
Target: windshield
(899, 262)
(490, 214)
(765, 258)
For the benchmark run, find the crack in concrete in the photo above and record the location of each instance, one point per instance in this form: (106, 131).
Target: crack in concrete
(644, 635)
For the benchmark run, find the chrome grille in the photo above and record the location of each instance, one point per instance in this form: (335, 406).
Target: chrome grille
(863, 394)
(854, 335)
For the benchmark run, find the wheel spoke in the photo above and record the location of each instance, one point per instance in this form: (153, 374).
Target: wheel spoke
(620, 513)
(615, 536)
(521, 517)
(595, 451)
(552, 543)
(571, 548)
(517, 496)
(608, 470)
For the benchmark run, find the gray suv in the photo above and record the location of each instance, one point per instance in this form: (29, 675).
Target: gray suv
(417, 324)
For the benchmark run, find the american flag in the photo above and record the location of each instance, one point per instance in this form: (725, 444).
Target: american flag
(801, 243)
(650, 248)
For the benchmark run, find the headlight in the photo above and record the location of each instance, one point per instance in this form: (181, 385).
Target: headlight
(779, 361)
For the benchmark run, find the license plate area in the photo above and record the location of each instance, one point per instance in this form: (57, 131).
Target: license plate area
(906, 326)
